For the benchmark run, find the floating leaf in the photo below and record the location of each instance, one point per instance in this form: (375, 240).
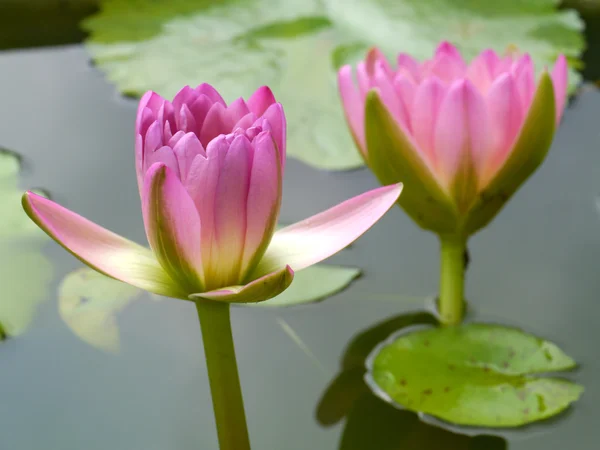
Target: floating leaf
(89, 302)
(223, 46)
(476, 374)
(313, 284)
(25, 272)
(417, 26)
(295, 46)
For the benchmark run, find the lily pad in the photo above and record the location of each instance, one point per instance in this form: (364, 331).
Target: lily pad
(295, 47)
(313, 284)
(417, 26)
(25, 273)
(186, 43)
(88, 303)
(476, 375)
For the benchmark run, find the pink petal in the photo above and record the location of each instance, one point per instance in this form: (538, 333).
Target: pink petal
(102, 250)
(186, 149)
(211, 93)
(375, 58)
(428, 98)
(482, 70)
(364, 79)
(173, 227)
(260, 101)
(199, 109)
(390, 98)
(201, 183)
(314, 239)
(353, 106)
(410, 65)
(278, 128)
(246, 122)
(217, 122)
(175, 139)
(447, 64)
(560, 82)
(461, 136)
(185, 120)
(261, 289)
(154, 138)
(163, 155)
(264, 200)
(224, 267)
(523, 72)
(405, 88)
(236, 110)
(506, 118)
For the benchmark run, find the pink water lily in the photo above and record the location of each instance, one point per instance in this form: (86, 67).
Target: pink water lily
(210, 181)
(462, 137)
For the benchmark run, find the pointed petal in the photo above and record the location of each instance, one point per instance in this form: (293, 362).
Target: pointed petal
(528, 153)
(261, 100)
(506, 117)
(264, 200)
(278, 128)
(461, 140)
(163, 155)
(259, 290)
(410, 65)
(353, 106)
(102, 250)
(390, 97)
(186, 149)
(236, 110)
(314, 239)
(482, 70)
(394, 158)
(173, 227)
(210, 92)
(224, 266)
(428, 98)
(217, 122)
(559, 80)
(523, 72)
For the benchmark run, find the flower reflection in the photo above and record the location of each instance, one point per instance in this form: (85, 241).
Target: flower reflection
(372, 423)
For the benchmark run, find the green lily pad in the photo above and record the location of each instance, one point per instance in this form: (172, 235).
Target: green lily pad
(313, 284)
(476, 375)
(417, 26)
(88, 303)
(179, 43)
(25, 273)
(295, 47)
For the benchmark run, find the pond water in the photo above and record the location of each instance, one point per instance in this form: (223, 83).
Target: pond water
(535, 267)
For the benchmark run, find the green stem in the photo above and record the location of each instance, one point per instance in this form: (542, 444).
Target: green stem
(223, 377)
(452, 279)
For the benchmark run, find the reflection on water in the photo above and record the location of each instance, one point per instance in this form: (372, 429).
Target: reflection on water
(373, 424)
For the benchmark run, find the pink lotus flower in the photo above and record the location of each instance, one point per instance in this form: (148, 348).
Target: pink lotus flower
(461, 137)
(210, 180)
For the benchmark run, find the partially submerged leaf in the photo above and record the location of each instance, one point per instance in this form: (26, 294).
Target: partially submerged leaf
(25, 273)
(476, 374)
(313, 284)
(88, 303)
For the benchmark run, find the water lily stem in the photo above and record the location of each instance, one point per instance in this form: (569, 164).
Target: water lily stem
(223, 376)
(452, 278)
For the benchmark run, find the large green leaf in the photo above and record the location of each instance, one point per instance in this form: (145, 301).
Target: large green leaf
(417, 26)
(237, 47)
(294, 46)
(476, 374)
(25, 273)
